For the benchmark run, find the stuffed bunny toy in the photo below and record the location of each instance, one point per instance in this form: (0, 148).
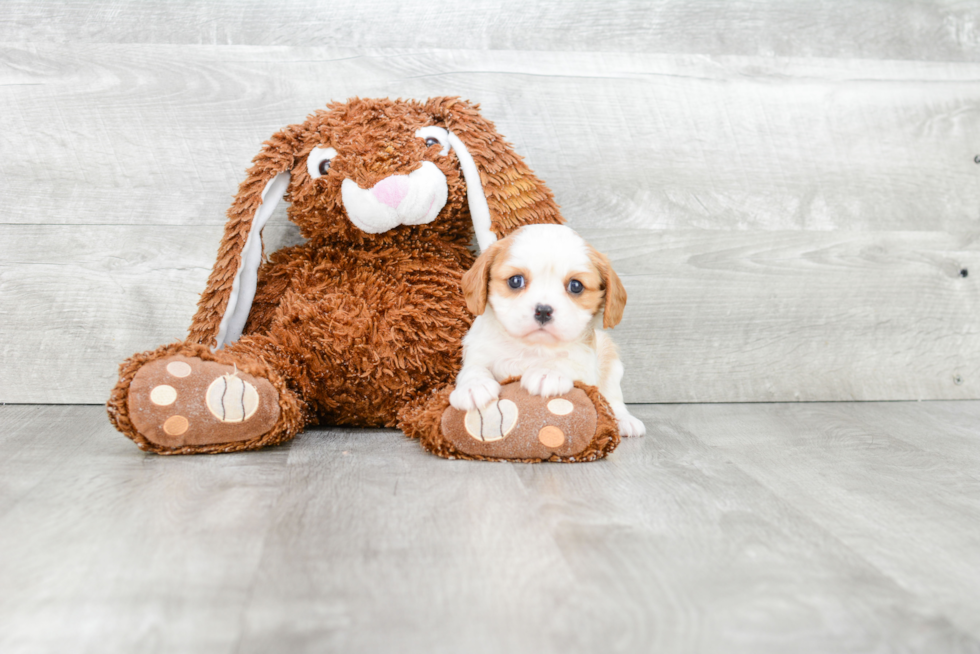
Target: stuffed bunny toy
(362, 324)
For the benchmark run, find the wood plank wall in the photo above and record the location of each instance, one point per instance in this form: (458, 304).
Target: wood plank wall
(789, 190)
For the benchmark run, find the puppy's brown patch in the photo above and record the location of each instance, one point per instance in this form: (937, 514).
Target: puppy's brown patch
(476, 280)
(615, 293)
(591, 297)
(502, 270)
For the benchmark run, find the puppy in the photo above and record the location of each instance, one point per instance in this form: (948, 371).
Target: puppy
(542, 296)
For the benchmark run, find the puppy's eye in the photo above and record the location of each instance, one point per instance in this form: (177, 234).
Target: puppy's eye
(318, 163)
(575, 287)
(516, 282)
(429, 142)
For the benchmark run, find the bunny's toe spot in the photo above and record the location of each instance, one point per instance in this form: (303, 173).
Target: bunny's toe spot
(163, 395)
(232, 399)
(178, 368)
(493, 422)
(560, 406)
(551, 436)
(175, 425)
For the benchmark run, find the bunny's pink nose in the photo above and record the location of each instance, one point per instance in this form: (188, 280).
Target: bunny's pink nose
(391, 190)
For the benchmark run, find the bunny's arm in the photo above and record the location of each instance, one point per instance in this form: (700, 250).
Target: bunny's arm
(275, 277)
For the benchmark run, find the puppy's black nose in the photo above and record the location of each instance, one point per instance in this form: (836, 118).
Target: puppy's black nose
(542, 313)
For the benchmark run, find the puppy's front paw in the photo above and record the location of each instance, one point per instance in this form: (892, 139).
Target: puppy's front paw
(628, 425)
(546, 383)
(474, 395)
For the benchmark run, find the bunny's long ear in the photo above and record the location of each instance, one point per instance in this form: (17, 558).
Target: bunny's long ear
(502, 192)
(224, 306)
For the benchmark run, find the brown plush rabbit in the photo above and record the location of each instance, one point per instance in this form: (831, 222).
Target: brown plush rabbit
(364, 321)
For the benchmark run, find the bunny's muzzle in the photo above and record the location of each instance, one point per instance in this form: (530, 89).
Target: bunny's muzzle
(413, 199)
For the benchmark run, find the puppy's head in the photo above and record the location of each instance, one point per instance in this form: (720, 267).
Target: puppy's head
(545, 285)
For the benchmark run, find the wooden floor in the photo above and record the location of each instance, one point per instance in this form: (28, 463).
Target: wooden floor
(729, 528)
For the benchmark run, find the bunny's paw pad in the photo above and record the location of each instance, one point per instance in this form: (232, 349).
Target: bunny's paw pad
(523, 426)
(180, 401)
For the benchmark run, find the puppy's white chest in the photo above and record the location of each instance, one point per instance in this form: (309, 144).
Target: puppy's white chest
(579, 363)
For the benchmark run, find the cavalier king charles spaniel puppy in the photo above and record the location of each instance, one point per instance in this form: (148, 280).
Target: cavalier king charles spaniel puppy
(542, 297)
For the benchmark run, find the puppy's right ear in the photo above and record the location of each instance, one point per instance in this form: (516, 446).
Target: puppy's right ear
(225, 304)
(476, 281)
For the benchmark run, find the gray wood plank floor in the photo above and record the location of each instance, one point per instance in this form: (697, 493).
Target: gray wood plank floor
(729, 528)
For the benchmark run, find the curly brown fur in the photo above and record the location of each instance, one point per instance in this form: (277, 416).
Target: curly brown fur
(375, 139)
(353, 327)
(424, 422)
(405, 324)
(514, 193)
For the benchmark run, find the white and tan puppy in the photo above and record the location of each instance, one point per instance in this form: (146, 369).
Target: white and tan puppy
(542, 297)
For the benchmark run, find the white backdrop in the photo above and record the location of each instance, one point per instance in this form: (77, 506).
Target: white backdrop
(788, 191)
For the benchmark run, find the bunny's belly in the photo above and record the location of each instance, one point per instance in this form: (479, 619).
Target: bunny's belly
(361, 341)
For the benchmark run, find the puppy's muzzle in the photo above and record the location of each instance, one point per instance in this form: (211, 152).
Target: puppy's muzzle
(542, 313)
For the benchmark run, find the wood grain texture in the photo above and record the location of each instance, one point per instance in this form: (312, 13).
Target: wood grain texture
(941, 30)
(729, 528)
(911, 462)
(789, 188)
(791, 316)
(158, 134)
(76, 302)
(712, 316)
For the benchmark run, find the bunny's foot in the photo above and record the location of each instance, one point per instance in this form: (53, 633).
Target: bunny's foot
(180, 401)
(172, 402)
(576, 426)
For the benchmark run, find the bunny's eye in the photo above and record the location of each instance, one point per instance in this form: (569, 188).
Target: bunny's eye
(433, 135)
(318, 163)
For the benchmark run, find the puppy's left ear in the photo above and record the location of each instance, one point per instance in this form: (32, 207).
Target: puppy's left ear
(476, 280)
(612, 313)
